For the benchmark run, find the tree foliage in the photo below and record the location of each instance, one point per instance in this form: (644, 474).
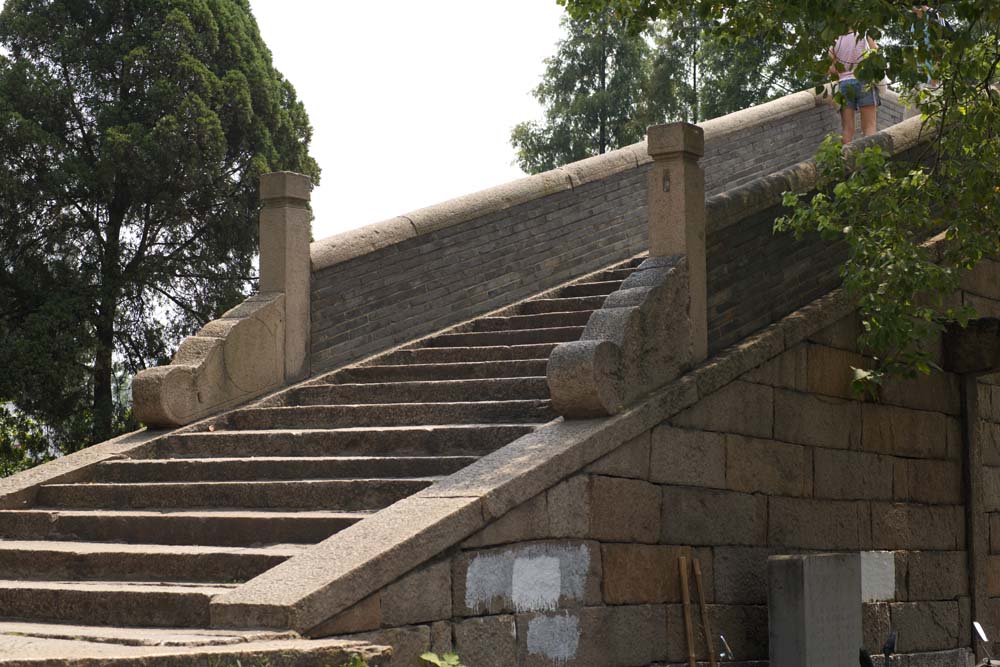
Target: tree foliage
(886, 210)
(608, 82)
(132, 133)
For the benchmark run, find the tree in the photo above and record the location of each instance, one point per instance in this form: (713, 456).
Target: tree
(132, 133)
(886, 210)
(591, 94)
(607, 83)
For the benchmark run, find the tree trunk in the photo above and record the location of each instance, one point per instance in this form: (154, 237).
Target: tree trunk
(603, 121)
(104, 406)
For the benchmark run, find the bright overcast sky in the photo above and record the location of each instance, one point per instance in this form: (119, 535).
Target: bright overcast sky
(411, 103)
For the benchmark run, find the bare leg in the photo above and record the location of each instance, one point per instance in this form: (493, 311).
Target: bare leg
(847, 122)
(869, 120)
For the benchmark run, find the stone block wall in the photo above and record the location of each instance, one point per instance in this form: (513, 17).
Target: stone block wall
(438, 275)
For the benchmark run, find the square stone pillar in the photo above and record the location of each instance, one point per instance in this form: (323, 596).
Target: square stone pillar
(284, 260)
(677, 213)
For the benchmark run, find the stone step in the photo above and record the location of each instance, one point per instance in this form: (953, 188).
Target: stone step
(432, 391)
(470, 370)
(603, 287)
(83, 561)
(392, 414)
(344, 494)
(575, 318)
(439, 355)
(110, 603)
(513, 337)
(277, 468)
(616, 274)
(237, 528)
(563, 304)
(43, 644)
(436, 440)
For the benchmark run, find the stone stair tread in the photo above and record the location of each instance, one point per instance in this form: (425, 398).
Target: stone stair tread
(493, 338)
(214, 512)
(446, 354)
(377, 414)
(118, 586)
(103, 634)
(477, 390)
(82, 547)
(264, 468)
(239, 483)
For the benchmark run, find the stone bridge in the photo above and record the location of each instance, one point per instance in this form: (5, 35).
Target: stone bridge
(493, 425)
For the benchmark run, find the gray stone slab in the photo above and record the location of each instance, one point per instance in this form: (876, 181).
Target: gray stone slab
(814, 605)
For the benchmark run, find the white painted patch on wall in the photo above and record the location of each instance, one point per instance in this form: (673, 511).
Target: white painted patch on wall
(533, 577)
(878, 576)
(488, 577)
(554, 637)
(536, 583)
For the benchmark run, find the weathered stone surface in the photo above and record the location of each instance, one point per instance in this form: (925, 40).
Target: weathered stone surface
(237, 357)
(935, 575)
(877, 625)
(983, 279)
(974, 348)
(841, 525)
(789, 370)
(903, 526)
(822, 421)
(937, 392)
(739, 359)
(407, 643)
(421, 596)
(741, 574)
(643, 574)
(624, 510)
(702, 516)
(568, 507)
(490, 641)
(830, 370)
(928, 481)
(441, 638)
(739, 407)
(687, 457)
(527, 521)
(361, 617)
(629, 460)
(638, 341)
(620, 636)
(533, 576)
(878, 576)
(842, 334)
(850, 475)
(892, 430)
(989, 436)
(768, 466)
(926, 626)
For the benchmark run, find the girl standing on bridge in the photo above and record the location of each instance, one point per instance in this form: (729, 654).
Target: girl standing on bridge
(848, 50)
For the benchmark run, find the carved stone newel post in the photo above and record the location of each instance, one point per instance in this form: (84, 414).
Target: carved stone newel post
(654, 327)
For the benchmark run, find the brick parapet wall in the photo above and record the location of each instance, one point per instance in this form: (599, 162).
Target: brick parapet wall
(383, 285)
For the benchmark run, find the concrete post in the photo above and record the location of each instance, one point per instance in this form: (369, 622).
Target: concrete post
(677, 213)
(284, 260)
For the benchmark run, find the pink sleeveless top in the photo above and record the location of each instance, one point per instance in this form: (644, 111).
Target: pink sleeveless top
(849, 50)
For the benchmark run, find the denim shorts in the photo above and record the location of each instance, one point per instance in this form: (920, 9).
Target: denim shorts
(857, 94)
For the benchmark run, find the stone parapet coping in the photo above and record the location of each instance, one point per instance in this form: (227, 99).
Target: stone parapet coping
(329, 577)
(356, 243)
(760, 194)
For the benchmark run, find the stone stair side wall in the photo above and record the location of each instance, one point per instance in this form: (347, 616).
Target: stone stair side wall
(781, 459)
(382, 285)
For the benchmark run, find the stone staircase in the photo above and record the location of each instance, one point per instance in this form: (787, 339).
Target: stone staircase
(147, 541)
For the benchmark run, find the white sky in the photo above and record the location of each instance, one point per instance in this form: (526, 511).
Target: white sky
(411, 103)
